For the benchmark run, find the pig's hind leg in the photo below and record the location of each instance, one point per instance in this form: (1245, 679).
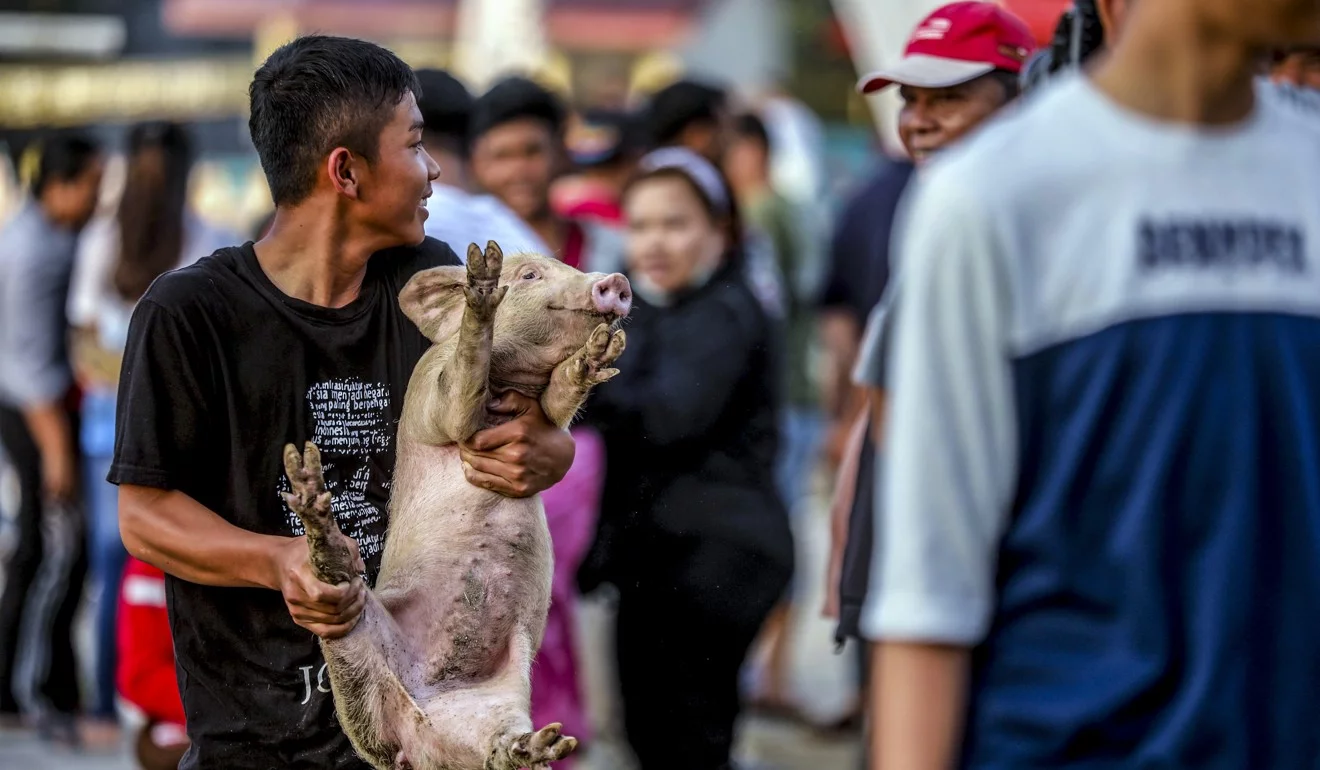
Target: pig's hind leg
(573, 379)
(375, 709)
(513, 744)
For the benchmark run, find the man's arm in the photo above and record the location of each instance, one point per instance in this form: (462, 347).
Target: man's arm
(51, 432)
(950, 463)
(919, 707)
(162, 427)
(175, 533)
(845, 489)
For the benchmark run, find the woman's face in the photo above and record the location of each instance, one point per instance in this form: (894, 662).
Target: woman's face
(671, 237)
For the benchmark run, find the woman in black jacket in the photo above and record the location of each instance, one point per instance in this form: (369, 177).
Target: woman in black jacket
(693, 533)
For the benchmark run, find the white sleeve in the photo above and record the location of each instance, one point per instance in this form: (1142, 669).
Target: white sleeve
(92, 270)
(870, 367)
(950, 445)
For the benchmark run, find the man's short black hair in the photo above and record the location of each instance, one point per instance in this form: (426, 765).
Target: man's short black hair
(1011, 82)
(511, 99)
(750, 126)
(317, 93)
(446, 106)
(63, 156)
(679, 105)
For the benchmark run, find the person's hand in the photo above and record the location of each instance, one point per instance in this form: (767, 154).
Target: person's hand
(524, 456)
(59, 476)
(836, 441)
(329, 611)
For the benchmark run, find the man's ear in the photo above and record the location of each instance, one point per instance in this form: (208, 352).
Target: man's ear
(1112, 13)
(341, 166)
(433, 299)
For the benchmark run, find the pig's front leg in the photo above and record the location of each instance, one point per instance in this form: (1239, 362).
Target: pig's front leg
(465, 381)
(574, 378)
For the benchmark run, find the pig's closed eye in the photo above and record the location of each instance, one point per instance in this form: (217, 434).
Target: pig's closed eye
(531, 275)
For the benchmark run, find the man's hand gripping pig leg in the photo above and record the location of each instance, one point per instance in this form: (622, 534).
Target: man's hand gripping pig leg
(363, 666)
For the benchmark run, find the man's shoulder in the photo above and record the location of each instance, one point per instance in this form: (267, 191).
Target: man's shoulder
(404, 261)
(206, 283)
(1296, 108)
(1006, 163)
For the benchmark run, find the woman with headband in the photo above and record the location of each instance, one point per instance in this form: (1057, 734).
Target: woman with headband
(693, 533)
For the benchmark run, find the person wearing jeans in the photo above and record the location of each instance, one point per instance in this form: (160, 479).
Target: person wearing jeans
(43, 574)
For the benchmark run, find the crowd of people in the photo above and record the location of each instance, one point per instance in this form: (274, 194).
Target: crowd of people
(676, 502)
(1058, 362)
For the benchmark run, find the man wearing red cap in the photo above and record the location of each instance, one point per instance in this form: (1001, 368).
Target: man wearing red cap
(960, 67)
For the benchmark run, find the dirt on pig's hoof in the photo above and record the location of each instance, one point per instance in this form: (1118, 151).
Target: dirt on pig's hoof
(537, 750)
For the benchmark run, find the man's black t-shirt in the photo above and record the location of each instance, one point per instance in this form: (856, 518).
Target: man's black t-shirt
(222, 370)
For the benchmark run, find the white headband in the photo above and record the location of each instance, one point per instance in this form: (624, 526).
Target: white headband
(702, 173)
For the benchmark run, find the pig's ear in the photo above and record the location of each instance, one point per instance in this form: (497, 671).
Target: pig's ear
(433, 299)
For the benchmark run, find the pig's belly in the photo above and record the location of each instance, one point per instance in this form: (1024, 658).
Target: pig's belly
(464, 569)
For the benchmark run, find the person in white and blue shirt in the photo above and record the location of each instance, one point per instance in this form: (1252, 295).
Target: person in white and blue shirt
(457, 213)
(1099, 543)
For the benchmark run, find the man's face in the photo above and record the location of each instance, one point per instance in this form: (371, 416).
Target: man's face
(1300, 68)
(515, 162)
(394, 187)
(932, 118)
(710, 139)
(746, 162)
(73, 202)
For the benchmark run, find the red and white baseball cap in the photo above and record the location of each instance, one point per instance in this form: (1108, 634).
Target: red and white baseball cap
(957, 43)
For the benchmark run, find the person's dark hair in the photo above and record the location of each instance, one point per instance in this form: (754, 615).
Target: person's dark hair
(750, 126)
(603, 139)
(1011, 82)
(62, 157)
(511, 99)
(679, 105)
(151, 209)
(1078, 36)
(446, 107)
(317, 93)
(728, 218)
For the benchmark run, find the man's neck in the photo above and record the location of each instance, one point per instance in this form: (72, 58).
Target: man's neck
(311, 256)
(1168, 66)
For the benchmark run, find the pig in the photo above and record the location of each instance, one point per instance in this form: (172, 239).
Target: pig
(435, 675)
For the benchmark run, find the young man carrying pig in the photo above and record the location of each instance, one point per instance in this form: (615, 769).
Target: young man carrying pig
(296, 337)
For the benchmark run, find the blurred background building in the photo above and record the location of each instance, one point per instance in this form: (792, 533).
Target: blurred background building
(107, 63)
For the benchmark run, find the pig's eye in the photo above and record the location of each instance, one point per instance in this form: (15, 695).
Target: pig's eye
(530, 275)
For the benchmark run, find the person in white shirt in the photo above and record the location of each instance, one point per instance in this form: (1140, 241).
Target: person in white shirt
(153, 230)
(1099, 535)
(458, 213)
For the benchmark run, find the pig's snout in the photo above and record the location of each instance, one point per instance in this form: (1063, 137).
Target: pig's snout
(612, 295)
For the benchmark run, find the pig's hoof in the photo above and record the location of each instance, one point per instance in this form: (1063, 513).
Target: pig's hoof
(308, 498)
(483, 271)
(536, 750)
(602, 349)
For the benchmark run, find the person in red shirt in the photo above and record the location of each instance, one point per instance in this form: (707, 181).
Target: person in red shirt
(146, 676)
